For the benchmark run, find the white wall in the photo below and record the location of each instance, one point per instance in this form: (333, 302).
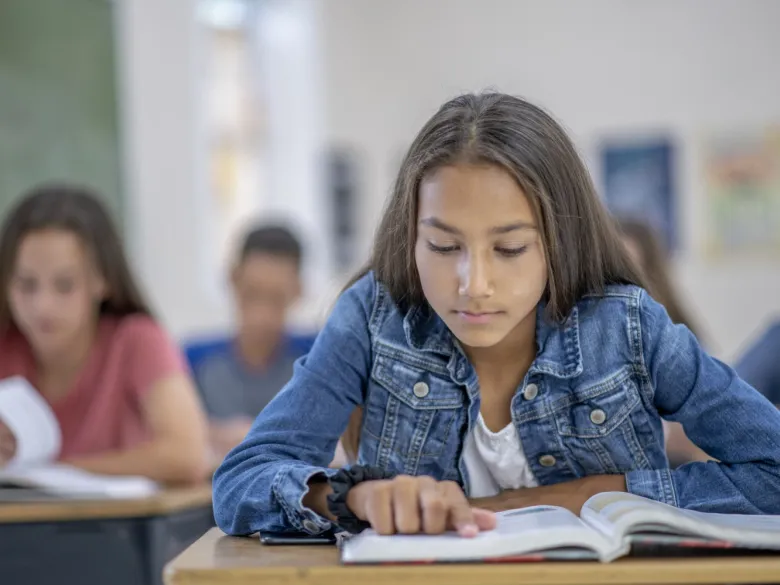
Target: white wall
(601, 66)
(372, 71)
(174, 224)
(161, 62)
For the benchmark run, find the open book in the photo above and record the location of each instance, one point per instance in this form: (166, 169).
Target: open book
(608, 525)
(32, 472)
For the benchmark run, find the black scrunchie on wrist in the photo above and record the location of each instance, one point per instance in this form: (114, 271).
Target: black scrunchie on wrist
(343, 481)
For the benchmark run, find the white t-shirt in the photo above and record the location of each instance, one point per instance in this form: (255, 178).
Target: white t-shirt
(495, 461)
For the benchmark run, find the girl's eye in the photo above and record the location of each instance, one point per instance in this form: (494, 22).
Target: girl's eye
(442, 249)
(511, 252)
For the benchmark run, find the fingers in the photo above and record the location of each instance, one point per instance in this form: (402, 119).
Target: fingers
(412, 505)
(7, 450)
(433, 507)
(379, 507)
(484, 519)
(461, 518)
(7, 444)
(406, 507)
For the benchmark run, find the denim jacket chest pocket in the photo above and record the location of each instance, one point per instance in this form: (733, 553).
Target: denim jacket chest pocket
(603, 426)
(413, 416)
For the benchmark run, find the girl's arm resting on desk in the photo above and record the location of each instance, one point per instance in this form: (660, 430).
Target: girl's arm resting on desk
(720, 413)
(262, 484)
(176, 451)
(571, 495)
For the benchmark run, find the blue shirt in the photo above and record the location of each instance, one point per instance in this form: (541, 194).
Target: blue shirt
(760, 364)
(229, 388)
(603, 381)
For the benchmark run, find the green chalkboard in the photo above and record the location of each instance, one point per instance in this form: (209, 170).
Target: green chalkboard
(58, 97)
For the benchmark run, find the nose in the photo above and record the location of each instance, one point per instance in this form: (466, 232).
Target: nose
(475, 276)
(43, 305)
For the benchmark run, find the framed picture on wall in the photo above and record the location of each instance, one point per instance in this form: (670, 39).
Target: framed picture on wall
(742, 193)
(639, 183)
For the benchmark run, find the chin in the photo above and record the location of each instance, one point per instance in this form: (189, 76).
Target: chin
(479, 338)
(50, 343)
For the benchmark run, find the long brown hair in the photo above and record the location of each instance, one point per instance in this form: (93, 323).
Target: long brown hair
(582, 247)
(654, 264)
(77, 210)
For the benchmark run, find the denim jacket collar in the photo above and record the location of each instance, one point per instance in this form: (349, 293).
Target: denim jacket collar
(426, 332)
(558, 346)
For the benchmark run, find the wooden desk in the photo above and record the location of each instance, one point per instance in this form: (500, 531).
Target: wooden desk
(122, 542)
(217, 559)
(166, 502)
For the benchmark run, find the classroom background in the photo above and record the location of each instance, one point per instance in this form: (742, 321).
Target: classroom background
(196, 117)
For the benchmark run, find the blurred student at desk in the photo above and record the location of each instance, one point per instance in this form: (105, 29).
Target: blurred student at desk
(75, 325)
(238, 376)
(759, 366)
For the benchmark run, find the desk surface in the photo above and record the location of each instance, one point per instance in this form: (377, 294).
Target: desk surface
(166, 502)
(217, 559)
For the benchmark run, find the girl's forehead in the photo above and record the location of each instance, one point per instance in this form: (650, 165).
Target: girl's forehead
(51, 249)
(485, 192)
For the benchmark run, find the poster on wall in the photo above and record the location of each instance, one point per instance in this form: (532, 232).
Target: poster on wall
(742, 193)
(638, 183)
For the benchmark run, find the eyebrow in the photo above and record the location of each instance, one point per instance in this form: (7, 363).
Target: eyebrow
(501, 229)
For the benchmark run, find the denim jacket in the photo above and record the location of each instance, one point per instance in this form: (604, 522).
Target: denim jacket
(591, 403)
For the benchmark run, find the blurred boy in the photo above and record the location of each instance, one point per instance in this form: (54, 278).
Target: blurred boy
(240, 377)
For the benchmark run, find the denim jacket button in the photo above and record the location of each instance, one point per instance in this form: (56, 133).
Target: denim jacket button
(547, 460)
(598, 416)
(531, 391)
(311, 526)
(420, 389)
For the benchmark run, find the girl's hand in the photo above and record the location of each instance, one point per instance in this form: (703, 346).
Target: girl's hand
(412, 505)
(7, 444)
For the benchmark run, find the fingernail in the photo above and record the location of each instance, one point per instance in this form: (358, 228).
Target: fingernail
(469, 530)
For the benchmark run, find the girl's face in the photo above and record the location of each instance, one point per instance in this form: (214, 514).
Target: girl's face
(54, 290)
(479, 254)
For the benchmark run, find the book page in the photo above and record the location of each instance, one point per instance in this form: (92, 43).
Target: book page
(71, 482)
(28, 416)
(629, 514)
(518, 532)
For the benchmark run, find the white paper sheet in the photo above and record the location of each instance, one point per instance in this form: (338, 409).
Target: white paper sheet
(27, 414)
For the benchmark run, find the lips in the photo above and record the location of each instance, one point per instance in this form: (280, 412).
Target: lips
(46, 326)
(477, 317)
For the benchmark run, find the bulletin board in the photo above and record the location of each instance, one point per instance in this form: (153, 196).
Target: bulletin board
(58, 97)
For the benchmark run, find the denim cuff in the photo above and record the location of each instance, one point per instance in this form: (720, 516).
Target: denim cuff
(655, 484)
(289, 486)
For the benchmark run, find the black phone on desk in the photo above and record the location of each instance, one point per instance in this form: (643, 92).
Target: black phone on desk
(294, 538)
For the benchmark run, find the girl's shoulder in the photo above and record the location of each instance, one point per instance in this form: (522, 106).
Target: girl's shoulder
(622, 303)
(366, 294)
(624, 306)
(142, 346)
(130, 331)
(618, 292)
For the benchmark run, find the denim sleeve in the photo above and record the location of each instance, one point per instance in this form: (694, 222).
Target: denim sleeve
(720, 413)
(261, 483)
(760, 364)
